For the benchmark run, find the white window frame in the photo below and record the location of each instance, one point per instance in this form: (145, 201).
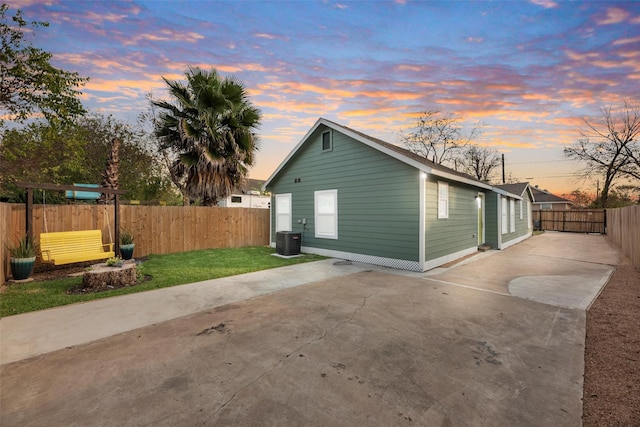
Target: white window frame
(505, 215)
(283, 212)
(323, 217)
(521, 202)
(512, 216)
(443, 200)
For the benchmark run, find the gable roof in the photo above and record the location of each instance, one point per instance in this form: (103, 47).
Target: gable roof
(518, 188)
(542, 196)
(394, 151)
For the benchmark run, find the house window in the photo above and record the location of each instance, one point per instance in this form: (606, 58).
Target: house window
(443, 200)
(505, 215)
(236, 199)
(283, 212)
(326, 214)
(545, 206)
(520, 202)
(327, 143)
(512, 216)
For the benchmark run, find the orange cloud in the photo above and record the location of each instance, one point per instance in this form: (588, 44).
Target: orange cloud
(165, 35)
(626, 41)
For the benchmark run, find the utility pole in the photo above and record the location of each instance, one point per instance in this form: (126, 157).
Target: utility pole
(503, 180)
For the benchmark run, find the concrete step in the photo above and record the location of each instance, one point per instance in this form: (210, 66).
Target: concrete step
(484, 248)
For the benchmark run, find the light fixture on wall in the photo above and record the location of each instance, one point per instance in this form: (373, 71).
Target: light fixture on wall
(479, 201)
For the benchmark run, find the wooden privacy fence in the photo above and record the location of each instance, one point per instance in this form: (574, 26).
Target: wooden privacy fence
(157, 229)
(577, 221)
(623, 230)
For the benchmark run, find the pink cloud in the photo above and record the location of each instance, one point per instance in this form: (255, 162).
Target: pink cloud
(615, 15)
(547, 4)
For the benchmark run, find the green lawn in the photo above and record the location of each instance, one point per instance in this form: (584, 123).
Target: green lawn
(166, 270)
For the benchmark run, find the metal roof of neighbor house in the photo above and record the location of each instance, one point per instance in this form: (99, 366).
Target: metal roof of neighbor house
(541, 196)
(394, 151)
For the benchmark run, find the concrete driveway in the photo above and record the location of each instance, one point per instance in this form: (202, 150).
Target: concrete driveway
(371, 347)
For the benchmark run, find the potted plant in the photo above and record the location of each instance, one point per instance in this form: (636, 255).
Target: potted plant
(126, 245)
(23, 258)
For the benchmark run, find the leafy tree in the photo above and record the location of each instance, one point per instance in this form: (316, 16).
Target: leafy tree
(610, 147)
(28, 82)
(579, 198)
(479, 162)
(77, 152)
(438, 137)
(209, 133)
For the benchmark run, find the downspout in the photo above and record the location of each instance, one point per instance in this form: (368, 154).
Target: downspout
(499, 211)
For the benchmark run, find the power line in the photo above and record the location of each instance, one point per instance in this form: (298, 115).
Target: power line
(541, 161)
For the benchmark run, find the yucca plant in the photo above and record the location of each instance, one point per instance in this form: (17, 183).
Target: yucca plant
(25, 248)
(126, 238)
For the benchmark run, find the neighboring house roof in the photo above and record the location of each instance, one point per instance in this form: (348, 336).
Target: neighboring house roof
(541, 196)
(394, 151)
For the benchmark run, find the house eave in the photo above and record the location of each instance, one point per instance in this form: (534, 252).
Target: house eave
(391, 153)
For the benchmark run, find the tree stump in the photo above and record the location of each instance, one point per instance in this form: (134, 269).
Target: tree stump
(103, 277)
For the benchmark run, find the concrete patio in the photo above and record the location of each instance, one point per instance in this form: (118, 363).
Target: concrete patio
(496, 340)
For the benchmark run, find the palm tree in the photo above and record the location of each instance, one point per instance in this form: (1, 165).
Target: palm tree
(210, 130)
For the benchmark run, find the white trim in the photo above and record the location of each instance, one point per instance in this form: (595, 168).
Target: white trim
(334, 215)
(504, 215)
(401, 264)
(284, 196)
(433, 263)
(505, 245)
(506, 193)
(483, 207)
(512, 216)
(499, 215)
(387, 151)
(443, 202)
(422, 187)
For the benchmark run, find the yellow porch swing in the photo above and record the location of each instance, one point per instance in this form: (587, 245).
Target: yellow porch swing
(68, 247)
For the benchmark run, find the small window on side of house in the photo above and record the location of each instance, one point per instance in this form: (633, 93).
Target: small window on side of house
(443, 200)
(236, 199)
(521, 208)
(327, 143)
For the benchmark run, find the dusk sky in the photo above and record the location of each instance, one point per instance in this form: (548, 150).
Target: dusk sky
(529, 70)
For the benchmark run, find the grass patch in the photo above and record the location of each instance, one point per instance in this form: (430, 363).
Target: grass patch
(166, 270)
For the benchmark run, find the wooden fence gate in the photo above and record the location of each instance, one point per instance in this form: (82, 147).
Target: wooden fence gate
(576, 221)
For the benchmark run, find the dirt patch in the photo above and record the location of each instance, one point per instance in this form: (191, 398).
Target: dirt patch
(45, 272)
(612, 353)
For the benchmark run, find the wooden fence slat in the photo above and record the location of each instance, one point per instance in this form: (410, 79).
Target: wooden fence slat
(623, 231)
(157, 229)
(577, 221)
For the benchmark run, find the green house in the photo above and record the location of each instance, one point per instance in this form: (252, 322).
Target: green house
(355, 197)
(511, 204)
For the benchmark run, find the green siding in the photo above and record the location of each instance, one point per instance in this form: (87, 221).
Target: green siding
(458, 232)
(521, 224)
(492, 226)
(378, 197)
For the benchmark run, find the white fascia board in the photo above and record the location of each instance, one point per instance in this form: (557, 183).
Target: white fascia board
(294, 151)
(398, 156)
(457, 178)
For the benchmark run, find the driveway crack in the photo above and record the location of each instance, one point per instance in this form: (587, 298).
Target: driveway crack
(280, 361)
